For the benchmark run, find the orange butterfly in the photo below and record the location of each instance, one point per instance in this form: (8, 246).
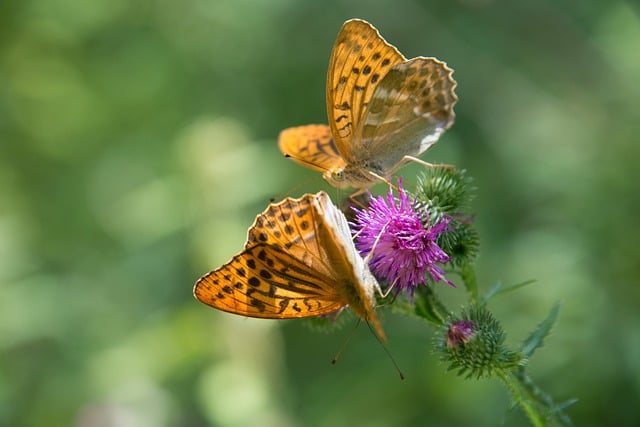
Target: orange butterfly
(298, 261)
(384, 110)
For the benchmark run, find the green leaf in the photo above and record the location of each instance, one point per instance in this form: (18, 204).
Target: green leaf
(499, 290)
(428, 306)
(536, 339)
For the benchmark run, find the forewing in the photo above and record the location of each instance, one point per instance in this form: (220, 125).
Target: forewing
(311, 146)
(408, 112)
(359, 61)
(293, 225)
(266, 282)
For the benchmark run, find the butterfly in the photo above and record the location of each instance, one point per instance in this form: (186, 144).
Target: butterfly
(384, 110)
(298, 261)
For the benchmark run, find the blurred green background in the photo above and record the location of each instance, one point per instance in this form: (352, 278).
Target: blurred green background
(138, 142)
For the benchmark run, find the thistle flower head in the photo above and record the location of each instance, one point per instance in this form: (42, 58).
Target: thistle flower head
(404, 248)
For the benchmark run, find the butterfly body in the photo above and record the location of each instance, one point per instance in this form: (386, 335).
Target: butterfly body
(298, 261)
(383, 110)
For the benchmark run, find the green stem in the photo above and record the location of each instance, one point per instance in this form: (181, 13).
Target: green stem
(470, 280)
(543, 399)
(521, 397)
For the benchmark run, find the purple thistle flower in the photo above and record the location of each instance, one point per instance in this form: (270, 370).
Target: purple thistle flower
(404, 248)
(460, 332)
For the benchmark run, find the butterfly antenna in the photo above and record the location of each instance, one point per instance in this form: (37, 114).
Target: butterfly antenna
(386, 350)
(288, 192)
(345, 342)
(305, 162)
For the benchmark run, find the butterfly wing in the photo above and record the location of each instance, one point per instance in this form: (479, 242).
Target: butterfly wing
(311, 146)
(357, 283)
(360, 59)
(293, 226)
(266, 282)
(409, 110)
(283, 271)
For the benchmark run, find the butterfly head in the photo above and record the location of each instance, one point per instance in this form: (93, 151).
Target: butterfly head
(346, 176)
(337, 177)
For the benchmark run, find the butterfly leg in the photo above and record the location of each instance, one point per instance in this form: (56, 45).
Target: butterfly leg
(356, 197)
(427, 164)
(385, 294)
(385, 180)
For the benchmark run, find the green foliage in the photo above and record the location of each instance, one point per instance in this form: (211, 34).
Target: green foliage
(536, 339)
(499, 289)
(425, 305)
(472, 344)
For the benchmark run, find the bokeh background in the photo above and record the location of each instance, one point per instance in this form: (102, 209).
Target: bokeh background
(138, 142)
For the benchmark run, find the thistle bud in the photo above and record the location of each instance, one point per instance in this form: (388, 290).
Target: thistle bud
(473, 344)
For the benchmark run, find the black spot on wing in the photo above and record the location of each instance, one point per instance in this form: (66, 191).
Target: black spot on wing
(265, 274)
